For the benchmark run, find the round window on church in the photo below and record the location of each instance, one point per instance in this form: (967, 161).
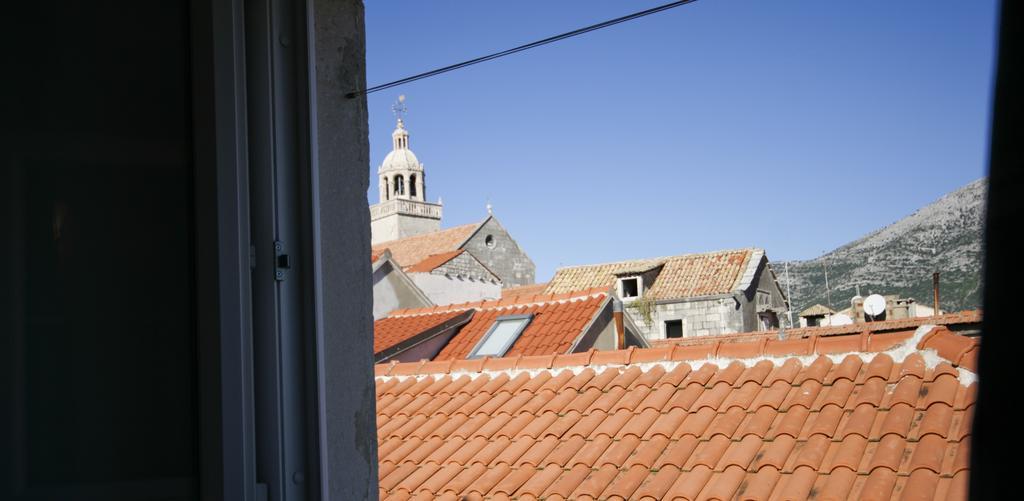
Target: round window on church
(489, 241)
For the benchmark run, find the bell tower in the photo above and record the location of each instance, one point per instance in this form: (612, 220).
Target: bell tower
(402, 209)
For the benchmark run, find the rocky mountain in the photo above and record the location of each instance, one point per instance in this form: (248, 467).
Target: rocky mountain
(944, 236)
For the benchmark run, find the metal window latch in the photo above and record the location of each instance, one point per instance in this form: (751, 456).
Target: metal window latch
(282, 263)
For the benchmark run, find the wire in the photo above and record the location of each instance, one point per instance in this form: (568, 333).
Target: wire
(538, 43)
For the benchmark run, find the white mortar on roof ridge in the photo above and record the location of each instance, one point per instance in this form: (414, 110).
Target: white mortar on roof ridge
(505, 307)
(966, 377)
(898, 355)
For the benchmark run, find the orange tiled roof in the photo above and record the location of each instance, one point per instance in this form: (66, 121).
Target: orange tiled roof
(903, 324)
(876, 416)
(390, 331)
(558, 319)
(688, 275)
(554, 328)
(433, 261)
(412, 250)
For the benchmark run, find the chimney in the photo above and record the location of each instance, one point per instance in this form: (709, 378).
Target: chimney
(620, 328)
(935, 289)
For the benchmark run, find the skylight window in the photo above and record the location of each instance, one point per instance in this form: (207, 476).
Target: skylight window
(501, 335)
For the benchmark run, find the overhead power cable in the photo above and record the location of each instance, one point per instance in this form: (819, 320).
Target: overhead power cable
(521, 48)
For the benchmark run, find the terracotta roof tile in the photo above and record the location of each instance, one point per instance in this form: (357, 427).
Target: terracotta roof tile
(524, 292)
(883, 335)
(433, 261)
(390, 331)
(411, 250)
(688, 275)
(555, 326)
(544, 334)
(865, 425)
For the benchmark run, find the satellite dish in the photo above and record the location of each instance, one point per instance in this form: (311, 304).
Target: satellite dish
(874, 305)
(840, 319)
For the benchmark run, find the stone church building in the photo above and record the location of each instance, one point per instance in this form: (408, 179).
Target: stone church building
(404, 223)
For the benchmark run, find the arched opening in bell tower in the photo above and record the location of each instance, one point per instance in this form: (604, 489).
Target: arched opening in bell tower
(399, 185)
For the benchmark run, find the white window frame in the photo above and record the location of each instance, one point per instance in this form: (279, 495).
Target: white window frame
(511, 339)
(639, 287)
(682, 328)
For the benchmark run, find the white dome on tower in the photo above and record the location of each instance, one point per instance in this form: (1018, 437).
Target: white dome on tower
(403, 209)
(400, 157)
(400, 160)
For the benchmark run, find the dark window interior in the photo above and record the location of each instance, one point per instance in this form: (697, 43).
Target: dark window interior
(630, 287)
(98, 340)
(673, 329)
(768, 321)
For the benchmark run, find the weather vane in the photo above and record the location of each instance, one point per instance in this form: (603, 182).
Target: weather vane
(399, 108)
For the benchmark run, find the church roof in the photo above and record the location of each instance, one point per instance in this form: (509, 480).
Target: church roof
(412, 250)
(683, 276)
(434, 261)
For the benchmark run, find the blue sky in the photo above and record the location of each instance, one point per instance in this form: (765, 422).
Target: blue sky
(796, 126)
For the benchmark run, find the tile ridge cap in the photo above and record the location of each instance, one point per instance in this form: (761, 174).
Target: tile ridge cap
(627, 356)
(547, 299)
(429, 310)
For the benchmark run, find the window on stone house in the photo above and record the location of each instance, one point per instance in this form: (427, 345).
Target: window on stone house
(412, 185)
(630, 288)
(500, 336)
(399, 185)
(673, 329)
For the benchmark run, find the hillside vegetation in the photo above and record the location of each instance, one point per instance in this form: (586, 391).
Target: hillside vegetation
(944, 236)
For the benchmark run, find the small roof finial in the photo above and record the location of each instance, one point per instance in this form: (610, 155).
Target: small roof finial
(490, 208)
(399, 109)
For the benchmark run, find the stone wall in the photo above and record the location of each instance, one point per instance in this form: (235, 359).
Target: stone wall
(465, 265)
(701, 317)
(396, 226)
(346, 418)
(503, 256)
(446, 289)
(763, 281)
(716, 315)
